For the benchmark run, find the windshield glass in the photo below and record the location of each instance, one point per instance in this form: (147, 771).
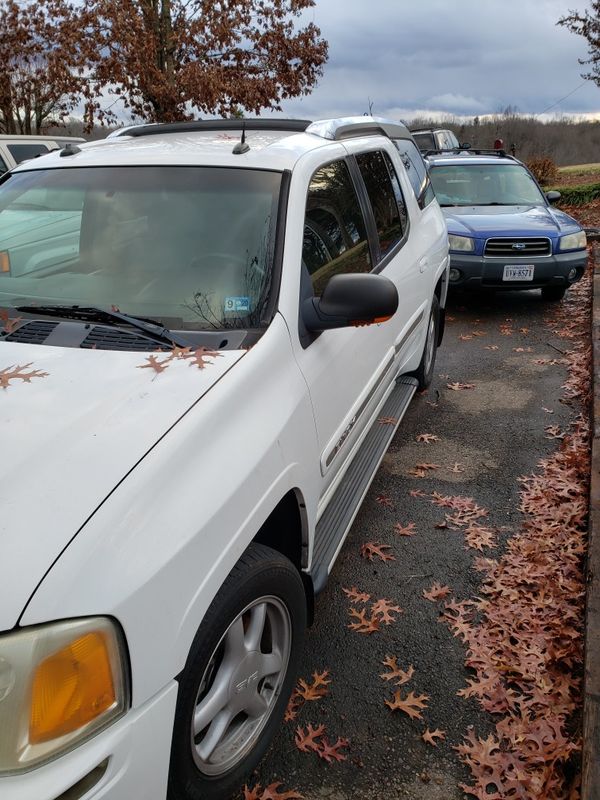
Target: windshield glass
(192, 246)
(464, 184)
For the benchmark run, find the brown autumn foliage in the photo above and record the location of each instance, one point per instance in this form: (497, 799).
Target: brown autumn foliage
(162, 60)
(166, 59)
(43, 63)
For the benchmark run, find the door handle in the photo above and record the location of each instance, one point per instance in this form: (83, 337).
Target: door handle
(423, 264)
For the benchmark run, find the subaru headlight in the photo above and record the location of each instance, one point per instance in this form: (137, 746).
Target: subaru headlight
(573, 241)
(462, 243)
(59, 684)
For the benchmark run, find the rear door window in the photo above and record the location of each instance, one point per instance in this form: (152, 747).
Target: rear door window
(387, 202)
(416, 170)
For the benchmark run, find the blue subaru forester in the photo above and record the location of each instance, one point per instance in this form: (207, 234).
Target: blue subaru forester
(503, 232)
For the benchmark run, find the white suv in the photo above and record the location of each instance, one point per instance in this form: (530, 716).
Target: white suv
(202, 325)
(17, 148)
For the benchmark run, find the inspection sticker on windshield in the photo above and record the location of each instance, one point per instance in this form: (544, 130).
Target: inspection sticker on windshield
(524, 272)
(237, 304)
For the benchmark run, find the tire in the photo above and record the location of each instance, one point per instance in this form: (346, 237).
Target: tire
(553, 293)
(238, 677)
(424, 372)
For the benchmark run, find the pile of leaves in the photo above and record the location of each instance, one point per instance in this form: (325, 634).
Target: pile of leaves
(524, 634)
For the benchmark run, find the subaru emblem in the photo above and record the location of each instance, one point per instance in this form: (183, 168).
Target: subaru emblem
(519, 246)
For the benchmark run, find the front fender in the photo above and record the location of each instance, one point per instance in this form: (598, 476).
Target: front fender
(157, 551)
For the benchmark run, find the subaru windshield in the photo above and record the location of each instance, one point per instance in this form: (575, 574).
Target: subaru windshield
(463, 184)
(191, 246)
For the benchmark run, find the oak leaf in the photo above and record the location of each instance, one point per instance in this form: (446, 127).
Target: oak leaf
(396, 674)
(384, 500)
(388, 420)
(369, 550)
(430, 736)
(437, 592)
(356, 596)
(19, 372)
(456, 387)
(155, 364)
(364, 625)
(491, 347)
(307, 741)
(315, 690)
(330, 752)
(271, 792)
(405, 530)
(9, 324)
(411, 704)
(427, 438)
(385, 610)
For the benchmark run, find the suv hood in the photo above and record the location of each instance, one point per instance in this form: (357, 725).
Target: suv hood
(486, 221)
(68, 438)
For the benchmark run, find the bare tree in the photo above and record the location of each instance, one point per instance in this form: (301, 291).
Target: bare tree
(587, 24)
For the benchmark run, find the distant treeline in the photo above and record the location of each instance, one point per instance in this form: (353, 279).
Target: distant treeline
(563, 140)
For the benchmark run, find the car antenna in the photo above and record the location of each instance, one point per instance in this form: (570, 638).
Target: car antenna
(242, 146)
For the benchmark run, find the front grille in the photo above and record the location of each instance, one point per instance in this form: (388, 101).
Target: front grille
(35, 332)
(102, 338)
(525, 247)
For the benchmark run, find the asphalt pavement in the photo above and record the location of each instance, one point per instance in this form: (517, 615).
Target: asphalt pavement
(490, 431)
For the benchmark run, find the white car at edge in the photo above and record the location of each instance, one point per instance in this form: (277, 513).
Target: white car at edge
(201, 325)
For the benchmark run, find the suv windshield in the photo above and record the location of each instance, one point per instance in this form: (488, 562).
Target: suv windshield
(192, 246)
(464, 184)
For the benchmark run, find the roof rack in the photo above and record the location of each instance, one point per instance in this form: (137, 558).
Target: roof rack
(333, 129)
(469, 151)
(262, 124)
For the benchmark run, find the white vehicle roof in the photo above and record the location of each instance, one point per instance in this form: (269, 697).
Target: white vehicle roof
(212, 144)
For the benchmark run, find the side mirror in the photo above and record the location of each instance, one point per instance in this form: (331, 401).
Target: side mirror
(465, 146)
(351, 300)
(553, 196)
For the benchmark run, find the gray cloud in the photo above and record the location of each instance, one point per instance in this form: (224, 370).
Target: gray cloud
(466, 58)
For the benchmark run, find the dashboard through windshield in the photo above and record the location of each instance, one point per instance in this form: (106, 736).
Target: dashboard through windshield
(190, 245)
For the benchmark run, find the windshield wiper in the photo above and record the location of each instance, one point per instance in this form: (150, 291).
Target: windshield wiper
(155, 330)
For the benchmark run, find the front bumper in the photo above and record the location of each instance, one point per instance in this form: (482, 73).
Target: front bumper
(127, 761)
(479, 272)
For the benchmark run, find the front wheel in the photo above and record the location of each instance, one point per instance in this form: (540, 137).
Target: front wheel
(553, 293)
(238, 677)
(424, 372)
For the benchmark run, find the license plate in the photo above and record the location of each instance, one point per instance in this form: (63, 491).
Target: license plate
(524, 272)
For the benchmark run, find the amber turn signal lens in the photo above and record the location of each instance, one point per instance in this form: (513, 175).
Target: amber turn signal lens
(4, 261)
(71, 688)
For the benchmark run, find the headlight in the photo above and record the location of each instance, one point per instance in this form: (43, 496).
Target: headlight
(463, 243)
(59, 684)
(573, 241)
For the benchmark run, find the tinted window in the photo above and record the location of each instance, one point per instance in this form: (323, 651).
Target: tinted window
(416, 170)
(21, 152)
(335, 238)
(3, 167)
(386, 198)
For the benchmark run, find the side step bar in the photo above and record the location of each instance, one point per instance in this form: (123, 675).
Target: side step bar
(337, 518)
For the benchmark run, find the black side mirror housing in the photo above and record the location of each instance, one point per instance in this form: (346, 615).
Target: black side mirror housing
(465, 146)
(351, 300)
(553, 196)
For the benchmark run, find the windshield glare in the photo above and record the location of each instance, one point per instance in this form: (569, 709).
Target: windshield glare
(484, 185)
(192, 246)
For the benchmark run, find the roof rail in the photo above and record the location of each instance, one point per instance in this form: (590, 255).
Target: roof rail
(349, 127)
(261, 124)
(470, 151)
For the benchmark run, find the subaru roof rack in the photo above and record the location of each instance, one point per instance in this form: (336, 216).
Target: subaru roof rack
(475, 151)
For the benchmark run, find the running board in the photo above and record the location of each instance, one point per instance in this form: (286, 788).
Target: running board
(339, 515)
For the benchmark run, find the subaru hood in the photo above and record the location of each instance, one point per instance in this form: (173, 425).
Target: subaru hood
(485, 221)
(73, 423)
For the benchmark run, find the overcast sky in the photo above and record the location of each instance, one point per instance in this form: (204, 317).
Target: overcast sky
(459, 57)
